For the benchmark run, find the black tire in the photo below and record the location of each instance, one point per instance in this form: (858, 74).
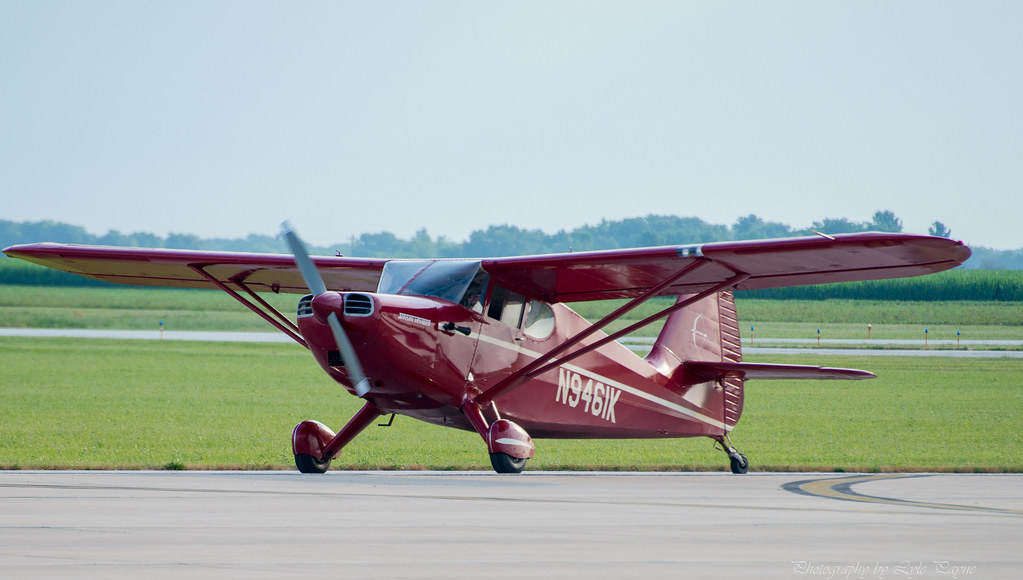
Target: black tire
(504, 463)
(310, 464)
(739, 463)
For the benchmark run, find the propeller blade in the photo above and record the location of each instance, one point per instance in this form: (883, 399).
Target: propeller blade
(344, 346)
(305, 264)
(315, 282)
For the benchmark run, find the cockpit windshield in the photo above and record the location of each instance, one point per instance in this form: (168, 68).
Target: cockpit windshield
(461, 281)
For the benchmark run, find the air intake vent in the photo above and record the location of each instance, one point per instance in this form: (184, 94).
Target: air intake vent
(305, 306)
(358, 305)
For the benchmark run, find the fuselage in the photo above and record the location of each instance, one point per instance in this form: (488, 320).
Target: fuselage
(424, 354)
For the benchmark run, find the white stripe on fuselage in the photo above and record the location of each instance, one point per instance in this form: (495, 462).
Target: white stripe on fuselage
(611, 382)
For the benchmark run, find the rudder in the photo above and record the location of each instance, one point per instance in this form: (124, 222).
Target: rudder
(707, 330)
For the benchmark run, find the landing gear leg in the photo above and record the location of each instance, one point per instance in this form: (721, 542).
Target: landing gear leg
(737, 461)
(314, 444)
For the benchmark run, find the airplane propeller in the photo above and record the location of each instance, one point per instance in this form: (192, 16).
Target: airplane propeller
(317, 287)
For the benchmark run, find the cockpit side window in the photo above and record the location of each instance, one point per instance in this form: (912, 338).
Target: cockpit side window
(497, 297)
(506, 306)
(513, 306)
(539, 320)
(476, 292)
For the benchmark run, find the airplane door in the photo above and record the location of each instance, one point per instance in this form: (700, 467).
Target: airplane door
(499, 338)
(456, 347)
(459, 331)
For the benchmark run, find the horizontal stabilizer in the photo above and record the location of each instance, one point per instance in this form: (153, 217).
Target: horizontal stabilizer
(742, 370)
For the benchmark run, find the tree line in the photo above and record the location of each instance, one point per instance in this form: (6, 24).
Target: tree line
(507, 240)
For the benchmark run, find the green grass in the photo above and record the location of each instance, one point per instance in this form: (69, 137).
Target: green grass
(848, 319)
(119, 403)
(100, 403)
(920, 413)
(123, 404)
(127, 308)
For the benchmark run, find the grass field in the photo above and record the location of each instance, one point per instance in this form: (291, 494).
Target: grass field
(126, 308)
(104, 403)
(124, 404)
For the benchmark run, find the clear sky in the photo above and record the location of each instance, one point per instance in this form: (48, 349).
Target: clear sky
(225, 118)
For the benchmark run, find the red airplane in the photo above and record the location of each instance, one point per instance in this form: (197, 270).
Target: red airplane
(488, 345)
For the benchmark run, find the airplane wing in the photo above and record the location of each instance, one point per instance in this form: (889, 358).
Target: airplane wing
(571, 277)
(186, 268)
(600, 275)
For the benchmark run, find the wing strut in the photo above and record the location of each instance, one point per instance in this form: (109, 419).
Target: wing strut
(730, 283)
(267, 312)
(551, 359)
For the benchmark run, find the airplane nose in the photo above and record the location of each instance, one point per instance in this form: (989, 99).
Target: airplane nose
(326, 303)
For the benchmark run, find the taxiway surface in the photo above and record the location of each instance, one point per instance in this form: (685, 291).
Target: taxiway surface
(537, 524)
(640, 345)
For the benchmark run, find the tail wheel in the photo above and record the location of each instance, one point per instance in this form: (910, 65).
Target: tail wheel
(739, 463)
(504, 463)
(310, 464)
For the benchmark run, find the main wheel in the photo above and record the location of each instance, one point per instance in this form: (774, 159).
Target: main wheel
(504, 463)
(310, 464)
(739, 463)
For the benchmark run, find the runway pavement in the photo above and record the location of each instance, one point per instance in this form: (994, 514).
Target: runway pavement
(537, 524)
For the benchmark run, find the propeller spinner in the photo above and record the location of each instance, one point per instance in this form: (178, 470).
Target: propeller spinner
(317, 287)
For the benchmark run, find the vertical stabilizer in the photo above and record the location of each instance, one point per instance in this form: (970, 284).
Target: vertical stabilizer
(707, 330)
